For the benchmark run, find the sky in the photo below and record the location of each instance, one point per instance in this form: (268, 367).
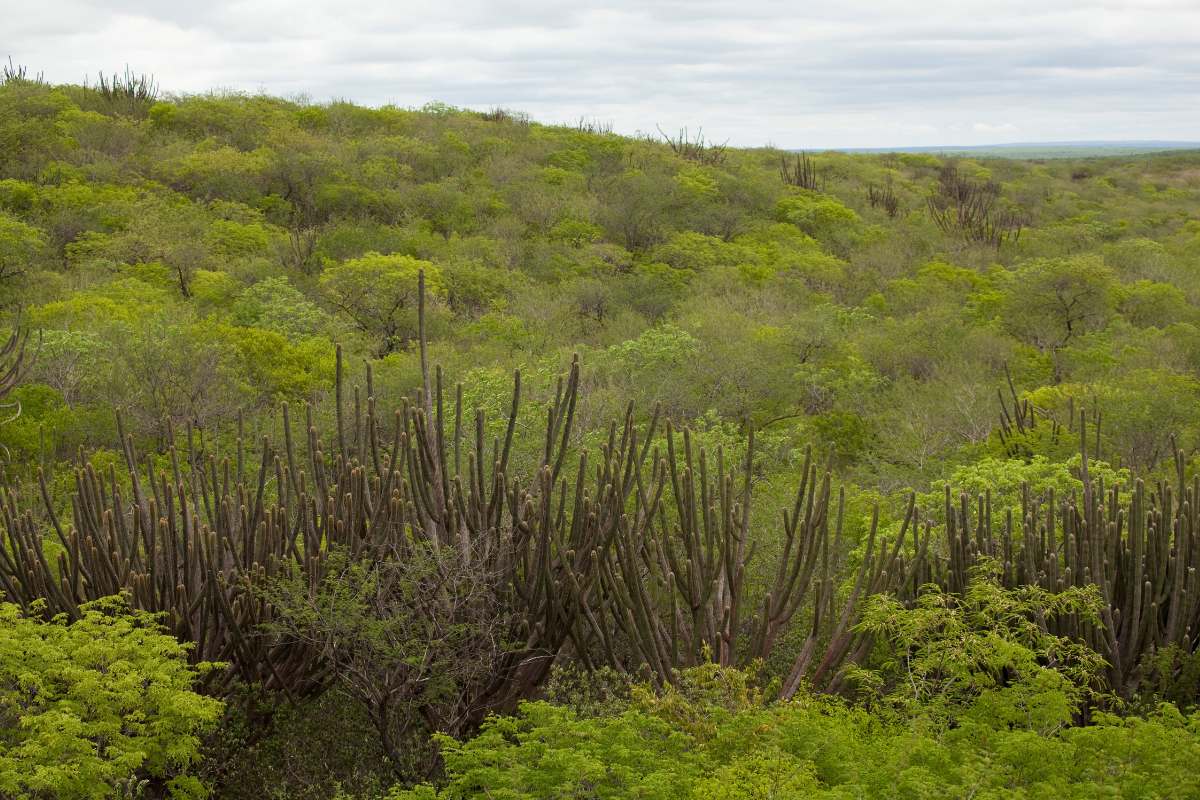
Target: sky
(798, 74)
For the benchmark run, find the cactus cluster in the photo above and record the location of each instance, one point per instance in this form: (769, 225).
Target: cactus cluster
(801, 171)
(14, 364)
(635, 557)
(12, 358)
(1140, 546)
(969, 208)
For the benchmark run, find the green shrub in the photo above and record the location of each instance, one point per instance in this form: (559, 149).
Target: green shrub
(816, 748)
(88, 706)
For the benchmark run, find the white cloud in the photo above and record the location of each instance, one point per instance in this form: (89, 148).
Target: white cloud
(1004, 128)
(852, 73)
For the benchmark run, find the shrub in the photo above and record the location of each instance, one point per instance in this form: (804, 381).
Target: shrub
(91, 705)
(816, 748)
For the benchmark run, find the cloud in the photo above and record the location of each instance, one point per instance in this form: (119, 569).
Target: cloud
(852, 73)
(1004, 128)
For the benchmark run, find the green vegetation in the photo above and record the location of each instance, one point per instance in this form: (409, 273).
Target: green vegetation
(743, 473)
(679, 747)
(96, 706)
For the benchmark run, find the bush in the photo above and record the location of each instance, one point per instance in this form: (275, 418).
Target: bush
(814, 748)
(89, 707)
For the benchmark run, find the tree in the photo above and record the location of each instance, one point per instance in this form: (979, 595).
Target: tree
(170, 231)
(276, 305)
(472, 286)
(1054, 301)
(821, 217)
(949, 651)
(411, 637)
(635, 208)
(1146, 303)
(68, 361)
(379, 293)
(165, 374)
(447, 208)
(20, 244)
(95, 705)
(300, 164)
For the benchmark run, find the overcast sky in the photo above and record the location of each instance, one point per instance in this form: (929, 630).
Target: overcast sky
(834, 73)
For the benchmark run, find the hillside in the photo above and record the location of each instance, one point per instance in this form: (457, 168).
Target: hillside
(189, 267)
(234, 233)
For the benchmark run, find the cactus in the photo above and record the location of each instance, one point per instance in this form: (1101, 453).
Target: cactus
(128, 87)
(15, 361)
(18, 73)
(1142, 554)
(801, 172)
(638, 561)
(635, 557)
(697, 148)
(968, 208)
(884, 197)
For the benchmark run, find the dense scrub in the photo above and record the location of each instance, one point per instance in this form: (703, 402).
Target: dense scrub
(97, 706)
(816, 749)
(242, 236)
(732, 366)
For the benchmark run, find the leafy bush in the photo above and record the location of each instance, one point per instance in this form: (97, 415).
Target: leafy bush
(815, 748)
(88, 706)
(981, 702)
(948, 652)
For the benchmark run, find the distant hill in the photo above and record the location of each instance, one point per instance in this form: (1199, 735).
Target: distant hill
(1095, 149)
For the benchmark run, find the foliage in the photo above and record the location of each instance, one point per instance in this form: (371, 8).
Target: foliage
(253, 211)
(20, 244)
(1054, 301)
(191, 262)
(390, 647)
(819, 748)
(986, 645)
(379, 293)
(92, 703)
(1007, 479)
(267, 748)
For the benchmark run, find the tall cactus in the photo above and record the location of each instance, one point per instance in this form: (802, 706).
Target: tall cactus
(1142, 554)
(14, 360)
(195, 540)
(635, 556)
(636, 560)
